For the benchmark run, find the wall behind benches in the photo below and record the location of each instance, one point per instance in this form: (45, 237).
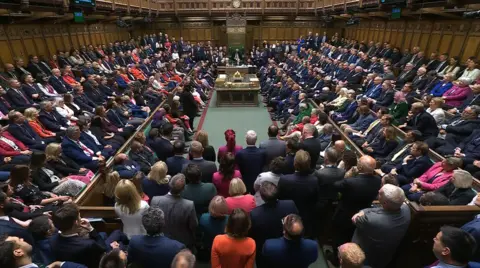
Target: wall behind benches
(21, 40)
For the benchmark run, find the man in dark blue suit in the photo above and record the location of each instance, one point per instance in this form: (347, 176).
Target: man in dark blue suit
(73, 148)
(413, 165)
(18, 99)
(22, 131)
(82, 100)
(177, 162)
(70, 246)
(125, 167)
(8, 226)
(57, 82)
(161, 145)
(291, 250)
(51, 119)
(153, 249)
(267, 218)
(251, 160)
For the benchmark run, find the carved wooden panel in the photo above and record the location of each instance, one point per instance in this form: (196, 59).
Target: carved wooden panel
(471, 48)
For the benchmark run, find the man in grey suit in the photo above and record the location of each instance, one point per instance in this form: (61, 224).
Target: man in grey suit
(273, 146)
(180, 217)
(380, 230)
(206, 167)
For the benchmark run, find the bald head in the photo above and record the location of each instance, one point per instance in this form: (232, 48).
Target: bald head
(366, 164)
(340, 146)
(196, 149)
(119, 158)
(292, 227)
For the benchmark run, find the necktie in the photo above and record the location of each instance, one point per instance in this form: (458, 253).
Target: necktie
(23, 96)
(85, 149)
(395, 156)
(5, 102)
(372, 125)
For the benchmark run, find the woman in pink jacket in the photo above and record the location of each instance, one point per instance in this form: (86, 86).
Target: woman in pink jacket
(231, 146)
(455, 96)
(435, 177)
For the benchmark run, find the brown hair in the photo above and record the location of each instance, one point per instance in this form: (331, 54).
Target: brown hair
(302, 161)
(238, 224)
(218, 207)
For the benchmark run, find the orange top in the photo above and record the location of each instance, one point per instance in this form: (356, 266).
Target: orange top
(228, 252)
(137, 74)
(40, 130)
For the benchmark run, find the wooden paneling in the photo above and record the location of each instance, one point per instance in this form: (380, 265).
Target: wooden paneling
(444, 44)
(471, 48)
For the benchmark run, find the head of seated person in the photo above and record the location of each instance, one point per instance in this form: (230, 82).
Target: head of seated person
(183, 259)
(471, 112)
(434, 199)
(350, 255)
(116, 258)
(462, 179)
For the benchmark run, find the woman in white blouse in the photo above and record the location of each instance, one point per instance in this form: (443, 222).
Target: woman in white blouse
(129, 207)
(75, 58)
(45, 87)
(64, 110)
(436, 110)
(453, 67)
(472, 72)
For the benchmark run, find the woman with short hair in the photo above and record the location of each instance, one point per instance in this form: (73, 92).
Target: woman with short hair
(129, 208)
(238, 198)
(235, 248)
(156, 182)
(459, 190)
(435, 109)
(213, 223)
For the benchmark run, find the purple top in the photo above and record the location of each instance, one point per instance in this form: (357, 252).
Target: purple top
(223, 151)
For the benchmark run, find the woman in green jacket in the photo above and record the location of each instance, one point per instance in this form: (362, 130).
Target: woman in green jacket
(399, 108)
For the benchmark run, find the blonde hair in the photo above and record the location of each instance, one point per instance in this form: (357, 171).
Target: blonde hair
(53, 150)
(302, 161)
(237, 187)
(202, 137)
(218, 207)
(438, 101)
(110, 183)
(351, 255)
(128, 198)
(30, 113)
(158, 173)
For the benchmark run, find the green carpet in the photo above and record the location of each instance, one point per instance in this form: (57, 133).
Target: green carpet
(241, 119)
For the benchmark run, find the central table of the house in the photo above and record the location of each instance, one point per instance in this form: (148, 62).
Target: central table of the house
(237, 89)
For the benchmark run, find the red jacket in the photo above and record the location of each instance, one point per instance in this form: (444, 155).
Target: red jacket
(6, 150)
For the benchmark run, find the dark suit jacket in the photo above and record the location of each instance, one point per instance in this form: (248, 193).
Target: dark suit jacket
(73, 151)
(175, 164)
(30, 90)
(326, 178)
(303, 190)
(471, 147)
(386, 98)
(419, 83)
(425, 123)
(415, 167)
(357, 193)
(153, 251)
(67, 167)
(145, 158)
(84, 102)
(284, 253)
(250, 161)
(52, 121)
(24, 133)
(459, 132)
(457, 197)
(163, 148)
(59, 85)
(16, 99)
(267, 221)
(78, 249)
(313, 147)
(11, 228)
(188, 103)
(206, 167)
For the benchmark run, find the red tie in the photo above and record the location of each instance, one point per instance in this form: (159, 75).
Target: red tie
(85, 149)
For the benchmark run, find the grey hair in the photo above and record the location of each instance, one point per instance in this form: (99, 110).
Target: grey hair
(309, 128)
(44, 104)
(327, 128)
(71, 130)
(251, 137)
(465, 80)
(177, 184)
(153, 220)
(475, 109)
(394, 195)
(187, 255)
(462, 179)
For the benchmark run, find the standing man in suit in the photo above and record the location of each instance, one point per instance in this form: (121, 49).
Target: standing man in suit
(251, 160)
(206, 167)
(310, 144)
(153, 249)
(266, 219)
(380, 230)
(181, 221)
(162, 145)
(273, 146)
(176, 162)
(291, 250)
(357, 193)
(189, 104)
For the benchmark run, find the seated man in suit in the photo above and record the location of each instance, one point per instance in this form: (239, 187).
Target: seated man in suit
(51, 119)
(181, 221)
(143, 156)
(57, 82)
(31, 90)
(176, 162)
(250, 160)
(73, 148)
(70, 246)
(154, 249)
(17, 97)
(419, 119)
(456, 130)
(407, 75)
(162, 145)
(13, 151)
(420, 80)
(125, 167)
(21, 130)
(206, 167)
(396, 156)
(291, 250)
(364, 120)
(469, 151)
(413, 165)
(374, 129)
(386, 96)
(9, 226)
(95, 142)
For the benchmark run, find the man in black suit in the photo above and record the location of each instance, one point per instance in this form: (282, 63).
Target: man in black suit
(30, 89)
(162, 145)
(51, 119)
(57, 82)
(70, 246)
(432, 63)
(397, 155)
(206, 167)
(18, 98)
(405, 76)
(251, 161)
(176, 162)
(420, 80)
(21, 130)
(8, 226)
(354, 78)
(80, 99)
(310, 144)
(357, 193)
(10, 72)
(19, 68)
(267, 218)
(35, 67)
(419, 119)
(189, 104)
